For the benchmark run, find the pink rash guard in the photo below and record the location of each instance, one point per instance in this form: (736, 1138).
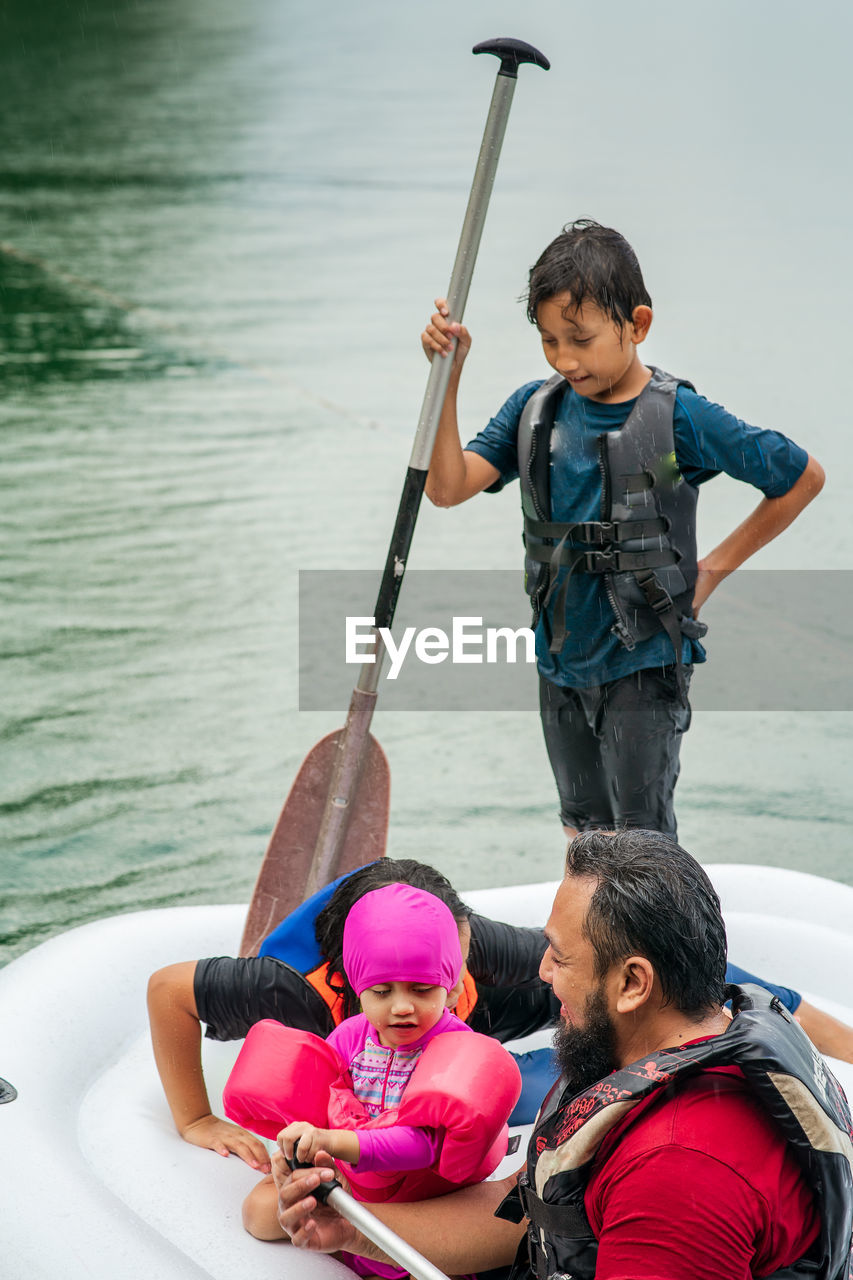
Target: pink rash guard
(379, 1076)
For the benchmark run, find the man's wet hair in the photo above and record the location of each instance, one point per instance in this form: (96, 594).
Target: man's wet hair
(594, 264)
(329, 924)
(653, 899)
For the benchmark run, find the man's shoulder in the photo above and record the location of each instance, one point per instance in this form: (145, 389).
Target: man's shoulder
(715, 1113)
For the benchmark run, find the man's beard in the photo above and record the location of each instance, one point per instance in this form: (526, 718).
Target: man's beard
(587, 1054)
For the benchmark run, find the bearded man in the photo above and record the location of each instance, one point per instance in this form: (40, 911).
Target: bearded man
(679, 1142)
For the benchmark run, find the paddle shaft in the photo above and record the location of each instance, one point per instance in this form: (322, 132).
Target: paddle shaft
(387, 1240)
(440, 369)
(351, 745)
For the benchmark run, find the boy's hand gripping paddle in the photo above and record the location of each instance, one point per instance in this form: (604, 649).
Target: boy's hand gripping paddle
(336, 815)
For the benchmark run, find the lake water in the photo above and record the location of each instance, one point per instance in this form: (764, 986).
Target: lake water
(222, 227)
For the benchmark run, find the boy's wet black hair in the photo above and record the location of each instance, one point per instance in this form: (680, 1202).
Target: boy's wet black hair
(329, 925)
(594, 264)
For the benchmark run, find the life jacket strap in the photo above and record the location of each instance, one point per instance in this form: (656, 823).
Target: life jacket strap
(603, 560)
(639, 482)
(566, 1220)
(597, 533)
(659, 599)
(560, 556)
(511, 1208)
(606, 558)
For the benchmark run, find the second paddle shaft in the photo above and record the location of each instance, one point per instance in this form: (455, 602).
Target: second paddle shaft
(350, 753)
(511, 53)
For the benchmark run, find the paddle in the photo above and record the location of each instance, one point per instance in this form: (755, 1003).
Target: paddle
(358, 1214)
(336, 815)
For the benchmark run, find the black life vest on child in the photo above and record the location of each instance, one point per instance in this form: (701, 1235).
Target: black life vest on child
(644, 545)
(786, 1074)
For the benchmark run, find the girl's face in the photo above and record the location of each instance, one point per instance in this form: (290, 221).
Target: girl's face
(402, 1012)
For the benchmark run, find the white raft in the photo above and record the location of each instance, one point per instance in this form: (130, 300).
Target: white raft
(96, 1183)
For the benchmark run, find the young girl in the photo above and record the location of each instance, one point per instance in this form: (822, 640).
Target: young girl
(408, 1097)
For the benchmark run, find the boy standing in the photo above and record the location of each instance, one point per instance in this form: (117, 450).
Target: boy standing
(610, 455)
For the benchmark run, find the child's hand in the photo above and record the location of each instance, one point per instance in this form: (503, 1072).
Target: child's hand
(304, 1140)
(439, 333)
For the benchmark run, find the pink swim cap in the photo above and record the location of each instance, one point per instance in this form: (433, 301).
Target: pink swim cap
(401, 934)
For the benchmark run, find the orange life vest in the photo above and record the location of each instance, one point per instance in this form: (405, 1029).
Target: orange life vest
(319, 979)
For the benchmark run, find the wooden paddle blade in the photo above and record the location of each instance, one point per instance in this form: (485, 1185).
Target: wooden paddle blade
(284, 871)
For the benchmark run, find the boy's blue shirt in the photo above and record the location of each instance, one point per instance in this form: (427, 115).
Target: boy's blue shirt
(708, 440)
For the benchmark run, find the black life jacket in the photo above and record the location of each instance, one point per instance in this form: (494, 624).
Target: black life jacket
(644, 545)
(786, 1074)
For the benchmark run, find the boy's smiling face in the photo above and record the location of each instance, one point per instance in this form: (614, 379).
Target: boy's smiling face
(586, 345)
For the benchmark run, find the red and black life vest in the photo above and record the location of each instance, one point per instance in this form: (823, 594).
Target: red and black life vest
(785, 1073)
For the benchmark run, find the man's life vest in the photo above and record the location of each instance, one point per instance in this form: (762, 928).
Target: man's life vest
(787, 1076)
(464, 1084)
(644, 544)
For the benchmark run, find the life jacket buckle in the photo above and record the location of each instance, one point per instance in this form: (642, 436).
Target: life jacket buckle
(602, 560)
(657, 596)
(522, 1188)
(600, 533)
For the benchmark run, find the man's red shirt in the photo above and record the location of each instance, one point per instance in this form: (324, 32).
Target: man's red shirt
(698, 1183)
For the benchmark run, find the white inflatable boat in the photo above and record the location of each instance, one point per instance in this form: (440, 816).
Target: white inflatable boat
(97, 1184)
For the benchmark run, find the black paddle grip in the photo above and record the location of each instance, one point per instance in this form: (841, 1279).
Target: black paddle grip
(512, 54)
(325, 1189)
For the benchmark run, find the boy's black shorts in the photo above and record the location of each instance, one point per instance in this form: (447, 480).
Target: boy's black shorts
(614, 749)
